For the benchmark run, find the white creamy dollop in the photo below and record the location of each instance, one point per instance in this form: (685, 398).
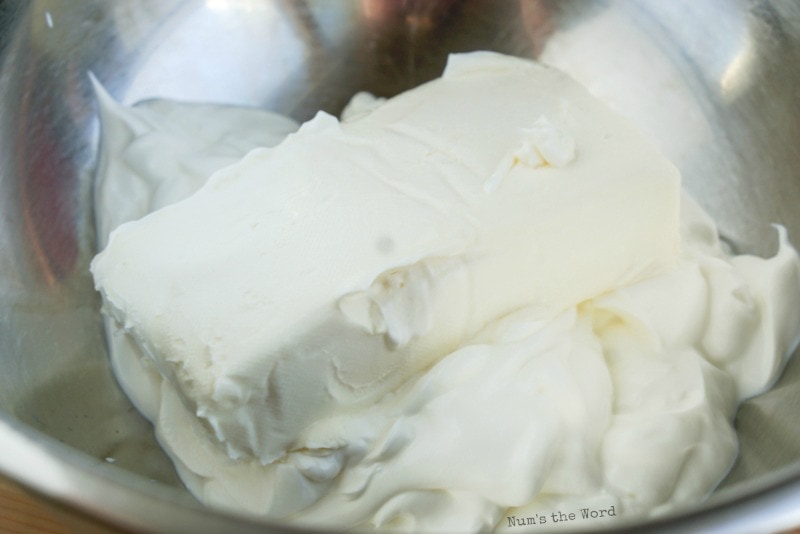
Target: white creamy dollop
(463, 308)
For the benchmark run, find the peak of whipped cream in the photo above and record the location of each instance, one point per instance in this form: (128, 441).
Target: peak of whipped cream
(483, 298)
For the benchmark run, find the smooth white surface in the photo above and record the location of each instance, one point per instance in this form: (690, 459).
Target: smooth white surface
(156, 154)
(294, 303)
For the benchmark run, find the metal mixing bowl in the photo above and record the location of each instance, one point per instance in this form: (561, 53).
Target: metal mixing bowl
(715, 82)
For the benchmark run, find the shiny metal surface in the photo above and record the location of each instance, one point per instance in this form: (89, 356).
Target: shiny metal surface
(715, 82)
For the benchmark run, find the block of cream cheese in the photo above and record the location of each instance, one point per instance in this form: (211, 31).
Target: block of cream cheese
(458, 310)
(155, 154)
(316, 276)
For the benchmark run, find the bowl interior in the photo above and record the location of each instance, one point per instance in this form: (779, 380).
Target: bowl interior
(713, 83)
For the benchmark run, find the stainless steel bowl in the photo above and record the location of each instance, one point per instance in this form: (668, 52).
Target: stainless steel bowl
(715, 82)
